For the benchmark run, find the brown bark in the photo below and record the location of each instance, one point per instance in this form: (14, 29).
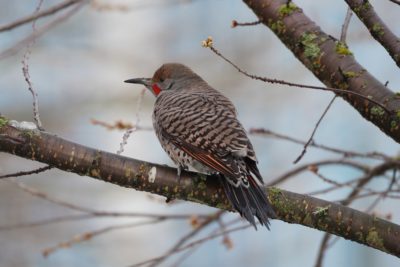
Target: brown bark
(378, 29)
(290, 207)
(331, 62)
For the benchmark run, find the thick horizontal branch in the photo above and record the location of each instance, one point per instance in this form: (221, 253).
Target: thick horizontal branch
(143, 176)
(378, 29)
(331, 62)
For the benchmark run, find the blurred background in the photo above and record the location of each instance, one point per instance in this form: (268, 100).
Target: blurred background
(78, 68)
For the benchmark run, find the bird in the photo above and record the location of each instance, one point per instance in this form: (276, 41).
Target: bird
(198, 127)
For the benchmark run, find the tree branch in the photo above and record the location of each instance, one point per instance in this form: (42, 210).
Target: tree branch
(50, 11)
(378, 29)
(330, 61)
(143, 176)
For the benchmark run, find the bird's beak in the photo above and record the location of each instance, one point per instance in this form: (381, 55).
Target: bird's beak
(145, 81)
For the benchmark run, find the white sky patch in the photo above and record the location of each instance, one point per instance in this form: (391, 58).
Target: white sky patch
(152, 174)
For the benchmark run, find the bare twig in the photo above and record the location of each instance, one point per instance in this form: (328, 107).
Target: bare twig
(345, 25)
(209, 44)
(303, 152)
(191, 234)
(21, 44)
(50, 11)
(345, 153)
(42, 195)
(89, 235)
(236, 24)
(128, 132)
(47, 221)
(195, 243)
(25, 71)
(17, 174)
(395, 1)
(306, 167)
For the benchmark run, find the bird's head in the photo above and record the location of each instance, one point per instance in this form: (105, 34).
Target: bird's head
(166, 78)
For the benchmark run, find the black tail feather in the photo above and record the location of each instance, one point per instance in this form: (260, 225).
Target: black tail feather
(249, 202)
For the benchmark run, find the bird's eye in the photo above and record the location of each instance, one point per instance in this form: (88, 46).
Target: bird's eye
(161, 79)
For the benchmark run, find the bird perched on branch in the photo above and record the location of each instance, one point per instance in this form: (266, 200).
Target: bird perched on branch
(197, 126)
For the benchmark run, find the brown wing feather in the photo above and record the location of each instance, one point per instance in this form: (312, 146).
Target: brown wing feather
(210, 160)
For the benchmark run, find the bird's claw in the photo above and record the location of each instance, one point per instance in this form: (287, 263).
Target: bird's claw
(179, 172)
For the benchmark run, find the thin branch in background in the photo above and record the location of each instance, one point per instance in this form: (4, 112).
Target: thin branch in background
(322, 249)
(282, 178)
(227, 241)
(333, 187)
(384, 194)
(50, 11)
(208, 43)
(65, 218)
(22, 173)
(98, 6)
(345, 153)
(89, 235)
(196, 243)
(188, 236)
(42, 195)
(119, 125)
(103, 6)
(25, 71)
(345, 25)
(128, 132)
(14, 49)
(395, 1)
(236, 24)
(303, 152)
(184, 256)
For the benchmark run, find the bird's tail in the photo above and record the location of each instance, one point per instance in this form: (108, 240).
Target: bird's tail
(249, 201)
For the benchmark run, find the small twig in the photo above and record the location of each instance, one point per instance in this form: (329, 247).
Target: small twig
(191, 234)
(208, 43)
(50, 11)
(345, 153)
(25, 71)
(195, 243)
(34, 35)
(303, 152)
(89, 235)
(287, 175)
(42, 195)
(345, 25)
(322, 249)
(128, 132)
(119, 125)
(236, 24)
(17, 174)
(395, 1)
(47, 221)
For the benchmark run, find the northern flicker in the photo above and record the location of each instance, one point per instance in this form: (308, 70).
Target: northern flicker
(197, 126)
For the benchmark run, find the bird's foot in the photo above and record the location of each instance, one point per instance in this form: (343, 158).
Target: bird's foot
(179, 172)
